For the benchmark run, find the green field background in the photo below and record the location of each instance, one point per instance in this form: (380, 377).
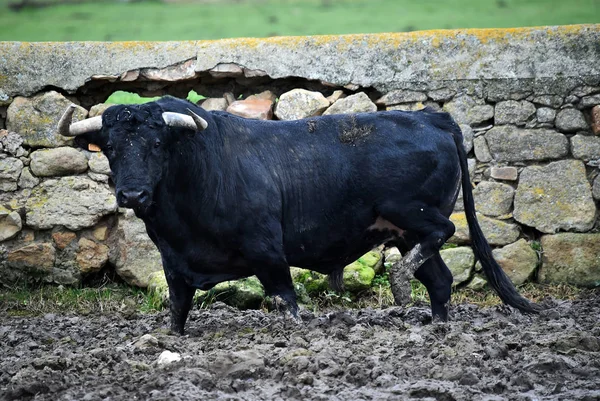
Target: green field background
(156, 20)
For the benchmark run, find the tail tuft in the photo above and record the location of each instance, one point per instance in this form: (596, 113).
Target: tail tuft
(336, 280)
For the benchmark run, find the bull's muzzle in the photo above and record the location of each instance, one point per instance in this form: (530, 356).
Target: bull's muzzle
(133, 199)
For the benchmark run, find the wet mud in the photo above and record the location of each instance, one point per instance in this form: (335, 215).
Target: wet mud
(368, 354)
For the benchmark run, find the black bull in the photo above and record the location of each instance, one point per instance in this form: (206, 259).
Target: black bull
(224, 197)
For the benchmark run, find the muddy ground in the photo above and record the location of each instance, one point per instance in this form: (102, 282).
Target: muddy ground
(394, 353)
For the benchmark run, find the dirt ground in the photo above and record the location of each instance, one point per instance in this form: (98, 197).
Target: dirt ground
(394, 353)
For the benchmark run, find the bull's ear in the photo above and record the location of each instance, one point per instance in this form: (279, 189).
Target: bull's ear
(92, 141)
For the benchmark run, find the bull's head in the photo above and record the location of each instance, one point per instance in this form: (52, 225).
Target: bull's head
(135, 139)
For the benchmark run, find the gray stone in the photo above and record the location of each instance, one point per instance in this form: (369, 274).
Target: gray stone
(571, 258)
(35, 119)
(98, 109)
(58, 161)
(497, 232)
(545, 115)
(469, 110)
(132, 252)
(585, 147)
(513, 112)
(98, 163)
(10, 142)
(27, 180)
(73, 202)
(555, 197)
(300, 103)
(482, 151)
(493, 198)
(335, 96)
(401, 96)
(460, 261)
(215, 103)
(510, 144)
(468, 136)
(477, 283)
(406, 107)
(590, 101)
(357, 103)
(505, 173)
(570, 120)
(98, 177)
(554, 101)
(518, 260)
(10, 223)
(596, 188)
(441, 95)
(10, 170)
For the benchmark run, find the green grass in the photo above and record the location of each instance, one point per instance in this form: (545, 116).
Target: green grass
(152, 20)
(122, 97)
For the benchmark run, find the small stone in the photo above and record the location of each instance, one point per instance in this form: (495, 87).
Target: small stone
(335, 96)
(168, 357)
(596, 188)
(98, 163)
(469, 110)
(518, 260)
(570, 120)
(477, 283)
(38, 258)
(545, 115)
(555, 197)
(468, 136)
(10, 224)
(505, 173)
(58, 161)
(357, 103)
(10, 142)
(482, 151)
(554, 101)
(497, 232)
(62, 239)
(406, 107)
(585, 147)
(98, 109)
(589, 101)
(300, 103)
(460, 261)
(103, 178)
(257, 109)
(226, 70)
(265, 95)
(441, 95)
(596, 120)
(571, 258)
(91, 256)
(493, 198)
(513, 112)
(145, 342)
(212, 104)
(10, 171)
(100, 233)
(401, 96)
(27, 180)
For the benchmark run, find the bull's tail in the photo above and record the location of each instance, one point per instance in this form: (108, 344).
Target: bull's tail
(497, 279)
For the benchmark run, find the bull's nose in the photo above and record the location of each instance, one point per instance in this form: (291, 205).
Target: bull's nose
(132, 198)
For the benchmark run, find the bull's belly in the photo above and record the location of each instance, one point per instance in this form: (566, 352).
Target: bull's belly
(326, 253)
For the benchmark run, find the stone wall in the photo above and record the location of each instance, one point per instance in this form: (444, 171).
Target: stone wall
(527, 100)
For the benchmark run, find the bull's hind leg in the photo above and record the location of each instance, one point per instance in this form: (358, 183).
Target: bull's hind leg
(437, 278)
(428, 227)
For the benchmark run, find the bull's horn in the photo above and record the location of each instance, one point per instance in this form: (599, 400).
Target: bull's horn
(80, 127)
(194, 122)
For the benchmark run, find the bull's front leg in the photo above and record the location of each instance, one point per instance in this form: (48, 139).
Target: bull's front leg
(181, 296)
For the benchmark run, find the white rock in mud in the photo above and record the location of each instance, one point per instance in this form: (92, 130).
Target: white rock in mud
(168, 357)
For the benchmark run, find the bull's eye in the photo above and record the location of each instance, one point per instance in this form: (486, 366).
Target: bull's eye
(157, 143)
